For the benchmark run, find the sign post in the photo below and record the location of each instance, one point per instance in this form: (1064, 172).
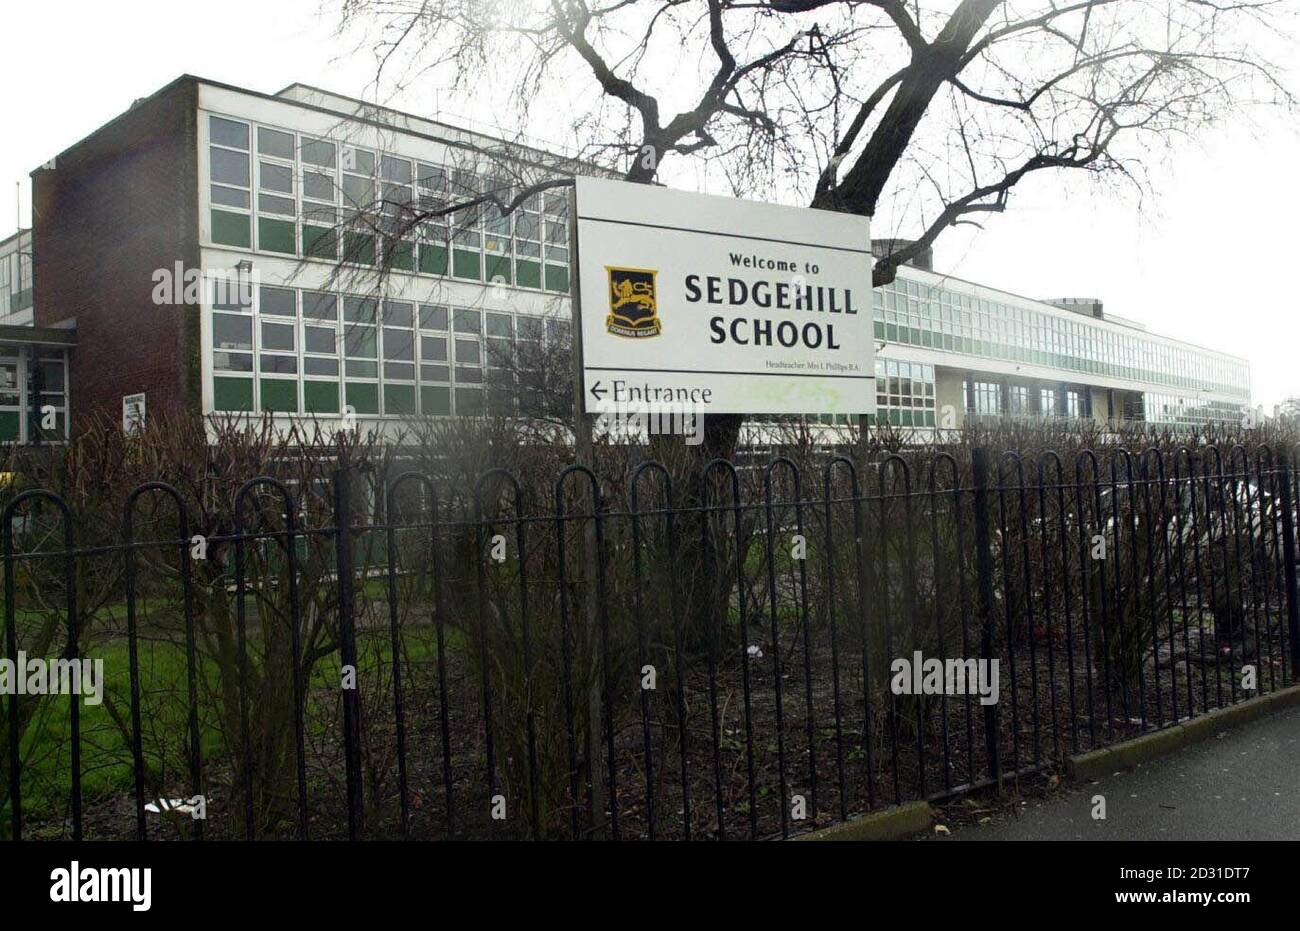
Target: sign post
(581, 425)
(584, 456)
(691, 304)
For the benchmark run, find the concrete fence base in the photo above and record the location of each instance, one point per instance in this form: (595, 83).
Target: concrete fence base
(1097, 763)
(901, 821)
(892, 823)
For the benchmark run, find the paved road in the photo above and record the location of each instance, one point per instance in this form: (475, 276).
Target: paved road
(1243, 784)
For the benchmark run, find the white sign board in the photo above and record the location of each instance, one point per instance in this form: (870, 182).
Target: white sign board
(132, 414)
(716, 305)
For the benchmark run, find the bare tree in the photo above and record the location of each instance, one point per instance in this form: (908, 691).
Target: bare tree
(928, 113)
(921, 115)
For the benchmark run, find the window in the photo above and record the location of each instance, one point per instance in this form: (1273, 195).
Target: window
(358, 189)
(275, 143)
(467, 243)
(500, 340)
(361, 354)
(320, 347)
(467, 321)
(318, 152)
(51, 370)
(358, 192)
(1073, 404)
(277, 205)
(395, 178)
(399, 342)
(556, 229)
(10, 391)
(433, 317)
(434, 349)
(360, 335)
(467, 354)
(988, 398)
(904, 393)
(278, 336)
(395, 170)
(278, 302)
(11, 405)
(528, 247)
(496, 247)
(435, 372)
(399, 359)
(529, 350)
(320, 215)
(277, 177)
(230, 190)
(398, 313)
(431, 183)
(232, 343)
(229, 167)
(320, 339)
(228, 133)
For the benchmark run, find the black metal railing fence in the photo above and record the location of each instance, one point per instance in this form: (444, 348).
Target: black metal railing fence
(729, 654)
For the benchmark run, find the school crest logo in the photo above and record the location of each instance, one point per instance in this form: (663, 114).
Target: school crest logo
(633, 302)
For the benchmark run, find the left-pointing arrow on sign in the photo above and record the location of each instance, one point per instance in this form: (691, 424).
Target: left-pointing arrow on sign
(598, 392)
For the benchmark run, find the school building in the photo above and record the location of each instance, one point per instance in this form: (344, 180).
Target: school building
(231, 252)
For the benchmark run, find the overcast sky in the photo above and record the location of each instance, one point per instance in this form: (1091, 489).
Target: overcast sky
(1204, 260)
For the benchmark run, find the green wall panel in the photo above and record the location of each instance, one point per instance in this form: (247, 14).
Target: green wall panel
(399, 399)
(466, 264)
(280, 395)
(364, 398)
(231, 229)
(232, 394)
(433, 260)
(497, 268)
(557, 278)
(359, 247)
(320, 397)
(469, 402)
(320, 242)
(528, 274)
(402, 256)
(275, 235)
(435, 400)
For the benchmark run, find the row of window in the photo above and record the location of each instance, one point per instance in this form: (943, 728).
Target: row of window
(294, 351)
(905, 393)
(17, 385)
(1172, 410)
(909, 312)
(1023, 401)
(986, 399)
(277, 191)
(905, 397)
(16, 277)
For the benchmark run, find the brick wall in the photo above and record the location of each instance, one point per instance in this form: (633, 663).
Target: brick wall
(114, 208)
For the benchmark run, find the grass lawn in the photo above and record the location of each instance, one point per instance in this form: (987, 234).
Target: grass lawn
(105, 728)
